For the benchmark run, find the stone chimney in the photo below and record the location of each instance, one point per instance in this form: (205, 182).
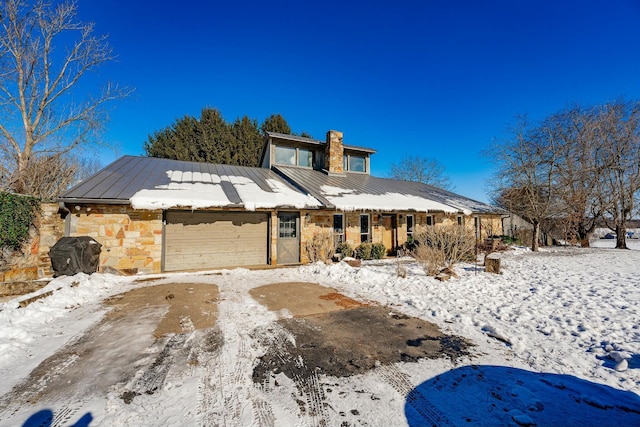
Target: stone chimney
(334, 152)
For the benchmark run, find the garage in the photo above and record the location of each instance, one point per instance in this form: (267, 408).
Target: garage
(197, 240)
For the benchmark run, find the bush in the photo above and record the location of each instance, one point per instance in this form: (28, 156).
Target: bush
(378, 251)
(368, 251)
(320, 248)
(345, 249)
(443, 246)
(17, 215)
(364, 251)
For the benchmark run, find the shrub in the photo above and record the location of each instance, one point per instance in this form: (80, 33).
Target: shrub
(345, 249)
(364, 251)
(320, 247)
(443, 246)
(431, 259)
(17, 215)
(368, 251)
(378, 251)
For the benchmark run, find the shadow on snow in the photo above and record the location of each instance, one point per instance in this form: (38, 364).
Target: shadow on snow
(498, 395)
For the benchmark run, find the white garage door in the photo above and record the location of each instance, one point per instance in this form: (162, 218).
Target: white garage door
(206, 240)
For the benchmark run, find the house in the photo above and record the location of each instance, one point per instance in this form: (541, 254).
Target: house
(154, 215)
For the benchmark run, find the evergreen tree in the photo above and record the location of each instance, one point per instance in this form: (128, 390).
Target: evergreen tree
(214, 140)
(275, 123)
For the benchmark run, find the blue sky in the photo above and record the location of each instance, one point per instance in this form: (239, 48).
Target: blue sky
(440, 79)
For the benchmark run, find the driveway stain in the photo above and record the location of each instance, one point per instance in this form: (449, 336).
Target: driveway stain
(347, 338)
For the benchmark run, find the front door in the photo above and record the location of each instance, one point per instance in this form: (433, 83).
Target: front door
(288, 238)
(389, 233)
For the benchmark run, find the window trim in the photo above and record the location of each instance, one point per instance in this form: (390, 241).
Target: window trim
(430, 220)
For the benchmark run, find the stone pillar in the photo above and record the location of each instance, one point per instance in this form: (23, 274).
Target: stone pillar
(334, 152)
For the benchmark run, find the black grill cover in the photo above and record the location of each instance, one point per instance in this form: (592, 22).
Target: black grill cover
(72, 255)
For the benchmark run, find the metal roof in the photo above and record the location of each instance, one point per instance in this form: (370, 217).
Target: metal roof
(128, 175)
(313, 182)
(121, 180)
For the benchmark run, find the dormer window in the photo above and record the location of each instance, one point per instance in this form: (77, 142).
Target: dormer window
(354, 163)
(305, 157)
(285, 155)
(293, 156)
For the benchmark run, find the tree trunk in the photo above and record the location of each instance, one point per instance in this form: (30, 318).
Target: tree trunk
(584, 242)
(621, 237)
(534, 236)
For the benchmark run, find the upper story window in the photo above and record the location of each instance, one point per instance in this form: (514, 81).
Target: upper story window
(357, 164)
(354, 163)
(293, 156)
(285, 155)
(305, 157)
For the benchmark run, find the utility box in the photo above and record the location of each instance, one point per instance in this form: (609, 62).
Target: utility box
(72, 255)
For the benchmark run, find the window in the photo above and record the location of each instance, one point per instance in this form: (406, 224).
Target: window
(287, 226)
(285, 155)
(364, 228)
(409, 226)
(354, 163)
(305, 157)
(460, 220)
(293, 156)
(429, 219)
(338, 229)
(357, 164)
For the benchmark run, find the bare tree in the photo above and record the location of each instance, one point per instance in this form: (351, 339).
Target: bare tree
(618, 129)
(44, 54)
(577, 174)
(526, 164)
(421, 169)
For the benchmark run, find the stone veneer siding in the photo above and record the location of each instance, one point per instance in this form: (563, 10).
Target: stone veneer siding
(33, 261)
(322, 221)
(131, 239)
(334, 152)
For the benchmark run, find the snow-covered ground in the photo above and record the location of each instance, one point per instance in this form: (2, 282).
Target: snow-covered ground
(557, 331)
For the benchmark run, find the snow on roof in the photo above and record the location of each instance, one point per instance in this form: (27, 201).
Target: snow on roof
(254, 197)
(206, 190)
(348, 200)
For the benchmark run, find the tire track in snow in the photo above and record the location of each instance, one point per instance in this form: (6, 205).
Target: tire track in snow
(226, 393)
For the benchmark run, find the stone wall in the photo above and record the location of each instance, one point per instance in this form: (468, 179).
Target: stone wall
(131, 239)
(318, 222)
(51, 229)
(33, 262)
